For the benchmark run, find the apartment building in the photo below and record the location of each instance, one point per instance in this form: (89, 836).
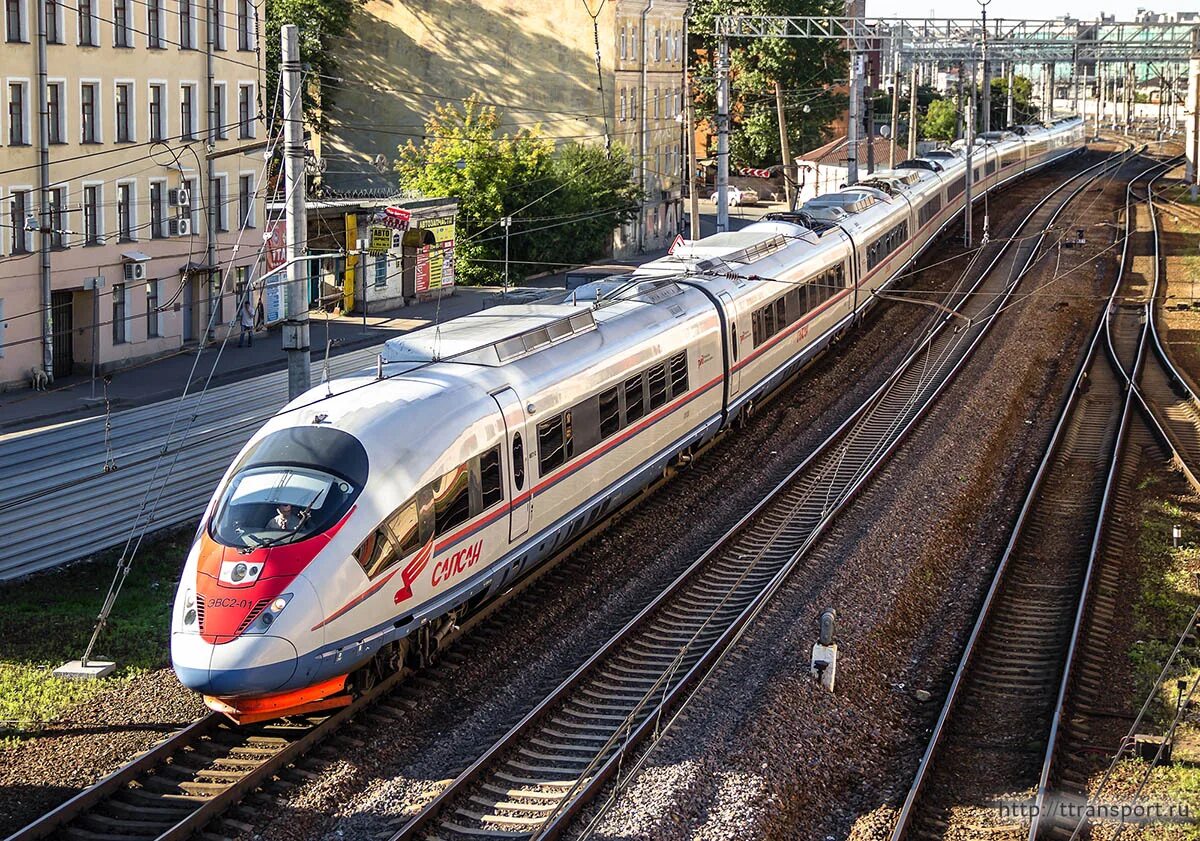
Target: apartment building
(536, 62)
(133, 239)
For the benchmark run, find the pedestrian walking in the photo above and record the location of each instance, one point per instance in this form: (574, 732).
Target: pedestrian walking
(246, 320)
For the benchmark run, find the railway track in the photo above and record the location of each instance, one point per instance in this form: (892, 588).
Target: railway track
(1004, 704)
(533, 780)
(1084, 716)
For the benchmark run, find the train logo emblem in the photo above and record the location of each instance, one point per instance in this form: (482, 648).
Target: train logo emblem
(412, 572)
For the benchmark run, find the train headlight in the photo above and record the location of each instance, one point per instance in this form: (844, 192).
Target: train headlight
(189, 608)
(270, 614)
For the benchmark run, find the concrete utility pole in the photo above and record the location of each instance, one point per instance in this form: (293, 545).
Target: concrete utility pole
(45, 237)
(912, 111)
(970, 175)
(295, 327)
(1101, 93)
(1009, 116)
(986, 122)
(785, 147)
(1193, 142)
(895, 112)
(854, 124)
(723, 135)
(693, 197)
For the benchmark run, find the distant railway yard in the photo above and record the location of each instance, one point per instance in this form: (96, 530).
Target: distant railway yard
(937, 579)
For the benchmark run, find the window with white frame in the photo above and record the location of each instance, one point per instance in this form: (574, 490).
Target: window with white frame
(120, 312)
(187, 26)
(54, 27)
(245, 25)
(623, 40)
(124, 112)
(218, 111)
(91, 214)
(246, 200)
(158, 209)
(218, 217)
(122, 30)
(154, 290)
(217, 25)
(126, 218)
(246, 110)
(15, 27)
(154, 24)
(381, 271)
(88, 36)
(89, 103)
(19, 209)
(18, 113)
(158, 96)
(187, 111)
(56, 130)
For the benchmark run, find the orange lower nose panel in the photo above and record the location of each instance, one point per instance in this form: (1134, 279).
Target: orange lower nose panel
(326, 695)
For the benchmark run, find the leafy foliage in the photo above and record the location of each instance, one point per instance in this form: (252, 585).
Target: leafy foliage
(807, 70)
(565, 203)
(319, 21)
(1023, 110)
(940, 120)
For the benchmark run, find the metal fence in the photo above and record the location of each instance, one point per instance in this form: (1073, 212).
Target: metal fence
(60, 504)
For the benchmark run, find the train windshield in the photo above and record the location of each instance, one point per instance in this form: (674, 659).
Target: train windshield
(269, 506)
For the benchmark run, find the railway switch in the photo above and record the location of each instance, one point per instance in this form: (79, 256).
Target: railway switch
(824, 654)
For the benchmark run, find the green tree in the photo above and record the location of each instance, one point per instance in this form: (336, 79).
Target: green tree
(940, 119)
(1023, 110)
(319, 21)
(806, 69)
(565, 203)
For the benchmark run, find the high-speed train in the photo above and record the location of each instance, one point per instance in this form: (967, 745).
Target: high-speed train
(371, 514)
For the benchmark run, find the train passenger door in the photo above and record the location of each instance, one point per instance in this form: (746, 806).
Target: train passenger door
(731, 322)
(519, 477)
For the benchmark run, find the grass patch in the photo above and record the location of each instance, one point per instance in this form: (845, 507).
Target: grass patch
(48, 618)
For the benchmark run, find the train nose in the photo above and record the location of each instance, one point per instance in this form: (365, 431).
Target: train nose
(248, 665)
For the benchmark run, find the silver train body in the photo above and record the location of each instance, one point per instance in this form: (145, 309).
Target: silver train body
(494, 440)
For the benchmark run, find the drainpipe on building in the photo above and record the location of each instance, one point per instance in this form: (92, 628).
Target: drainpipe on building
(210, 170)
(643, 126)
(45, 235)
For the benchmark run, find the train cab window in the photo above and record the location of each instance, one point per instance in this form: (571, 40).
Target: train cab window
(451, 500)
(555, 445)
(518, 460)
(269, 506)
(679, 375)
(610, 413)
(491, 488)
(658, 386)
(635, 396)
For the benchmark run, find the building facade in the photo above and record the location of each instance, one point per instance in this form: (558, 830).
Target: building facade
(536, 62)
(132, 238)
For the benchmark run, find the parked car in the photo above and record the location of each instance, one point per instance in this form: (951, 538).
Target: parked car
(738, 196)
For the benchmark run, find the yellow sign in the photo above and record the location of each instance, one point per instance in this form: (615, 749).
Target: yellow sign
(381, 240)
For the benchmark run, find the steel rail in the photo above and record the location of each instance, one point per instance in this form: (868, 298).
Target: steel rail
(623, 737)
(909, 809)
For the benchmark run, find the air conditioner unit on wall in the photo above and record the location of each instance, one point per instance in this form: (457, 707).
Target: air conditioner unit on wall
(181, 197)
(181, 227)
(135, 271)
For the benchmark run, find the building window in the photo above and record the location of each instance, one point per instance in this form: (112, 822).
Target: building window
(622, 104)
(91, 215)
(216, 204)
(118, 314)
(657, 45)
(158, 214)
(154, 33)
(87, 23)
(245, 25)
(633, 53)
(655, 100)
(189, 184)
(218, 112)
(87, 111)
(380, 272)
(153, 316)
(19, 210)
(622, 40)
(124, 123)
(245, 111)
(633, 104)
(125, 212)
(246, 201)
(14, 20)
(187, 126)
(54, 33)
(121, 34)
(216, 25)
(18, 134)
(187, 39)
(54, 112)
(58, 204)
(157, 130)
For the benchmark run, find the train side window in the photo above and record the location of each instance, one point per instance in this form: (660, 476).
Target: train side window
(781, 320)
(733, 340)
(451, 500)
(635, 396)
(795, 303)
(518, 460)
(679, 375)
(610, 413)
(658, 386)
(554, 442)
(396, 538)
(490, 484)
(768, 321)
